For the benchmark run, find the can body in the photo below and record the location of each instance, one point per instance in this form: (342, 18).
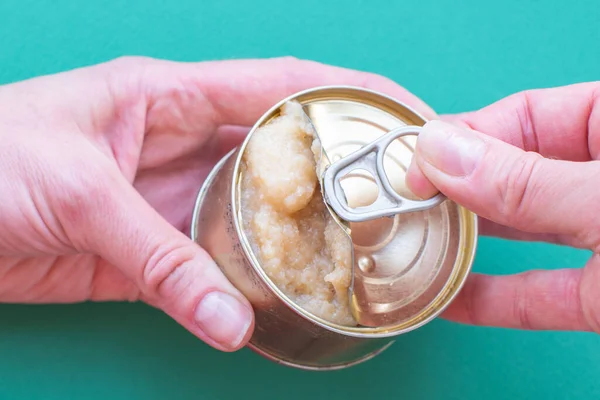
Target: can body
(280, 334)
(283, 332)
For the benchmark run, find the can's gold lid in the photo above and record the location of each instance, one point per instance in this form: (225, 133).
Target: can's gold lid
(405, 264)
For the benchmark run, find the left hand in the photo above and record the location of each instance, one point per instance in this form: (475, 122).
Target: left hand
(100, 168)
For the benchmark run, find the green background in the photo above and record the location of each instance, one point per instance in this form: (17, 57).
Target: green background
(457, 55)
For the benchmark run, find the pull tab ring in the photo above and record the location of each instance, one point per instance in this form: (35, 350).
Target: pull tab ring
(370, 158)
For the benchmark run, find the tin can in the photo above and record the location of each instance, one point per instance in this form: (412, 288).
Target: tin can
(434, 249)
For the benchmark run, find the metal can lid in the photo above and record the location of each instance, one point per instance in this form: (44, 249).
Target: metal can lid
(407, 267)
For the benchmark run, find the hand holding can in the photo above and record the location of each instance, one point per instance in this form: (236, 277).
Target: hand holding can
(528, 165)
(100, 169)
(328, 292)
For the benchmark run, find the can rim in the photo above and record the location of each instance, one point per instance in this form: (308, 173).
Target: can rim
(360, 332)
(330, 367)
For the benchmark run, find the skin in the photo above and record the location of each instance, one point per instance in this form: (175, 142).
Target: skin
(99, 170)
(529, 165)
(100, 167)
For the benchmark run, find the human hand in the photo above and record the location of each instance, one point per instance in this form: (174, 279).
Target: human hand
(528, 165)
(100, 168)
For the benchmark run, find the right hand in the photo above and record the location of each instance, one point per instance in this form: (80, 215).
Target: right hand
(529, 166)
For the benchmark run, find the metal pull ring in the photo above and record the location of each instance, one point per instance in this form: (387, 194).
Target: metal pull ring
(370, 158)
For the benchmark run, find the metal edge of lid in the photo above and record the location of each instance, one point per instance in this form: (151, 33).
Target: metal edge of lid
(326, 367)
(468, 220)
(201, 195)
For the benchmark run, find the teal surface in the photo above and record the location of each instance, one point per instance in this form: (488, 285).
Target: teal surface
(457, 55)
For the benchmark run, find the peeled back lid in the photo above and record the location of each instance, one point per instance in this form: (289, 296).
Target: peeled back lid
(405, 266)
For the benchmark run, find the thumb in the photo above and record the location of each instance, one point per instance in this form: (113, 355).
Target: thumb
(505, 184)
(172, 272)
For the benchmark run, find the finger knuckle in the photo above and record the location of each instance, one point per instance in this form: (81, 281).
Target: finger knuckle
(517, 189)
(130, 61)
(526, 120)
(587, 297)
(375, 81)
(291, 64)
(165, 272)
(569, 284)
(291, 60)
(521, 303)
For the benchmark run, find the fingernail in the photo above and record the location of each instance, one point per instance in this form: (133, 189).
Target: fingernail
(224, 318)
(450, 149)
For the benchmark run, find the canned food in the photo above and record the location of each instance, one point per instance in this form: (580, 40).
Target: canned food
(283, 251)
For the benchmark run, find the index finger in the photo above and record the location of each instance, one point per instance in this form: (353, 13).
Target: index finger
(561, 122)
(240, 91)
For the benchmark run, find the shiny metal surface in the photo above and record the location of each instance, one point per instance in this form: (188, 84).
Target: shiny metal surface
(375, 285)
(281, 333)
(418, 260)
(370, 158)
(405, 266)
